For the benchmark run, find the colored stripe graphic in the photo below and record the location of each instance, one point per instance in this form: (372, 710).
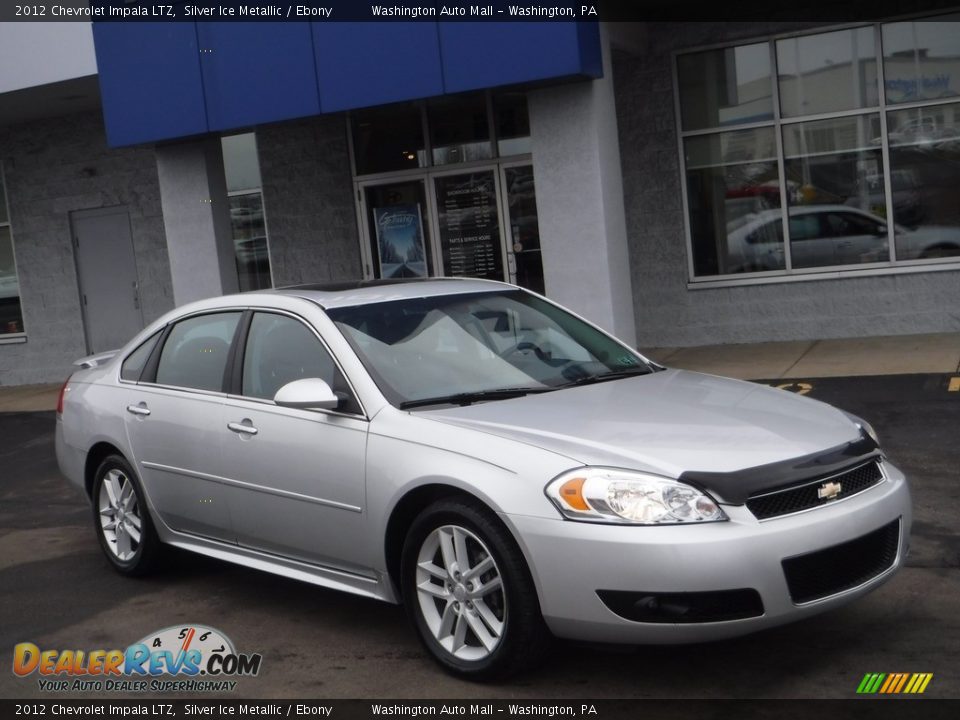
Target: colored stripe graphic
(891, 681)
(894, 683)
(903, 680)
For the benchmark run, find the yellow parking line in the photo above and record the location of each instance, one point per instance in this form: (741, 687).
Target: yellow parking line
(954, 385)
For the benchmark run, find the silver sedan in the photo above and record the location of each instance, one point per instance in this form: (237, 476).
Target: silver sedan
(505, 469)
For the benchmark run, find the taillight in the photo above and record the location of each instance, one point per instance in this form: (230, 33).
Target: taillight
(63, 391)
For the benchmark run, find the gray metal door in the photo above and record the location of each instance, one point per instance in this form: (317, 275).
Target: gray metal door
(107, 276)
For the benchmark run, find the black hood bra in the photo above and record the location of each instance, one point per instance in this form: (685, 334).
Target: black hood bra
(736, 487)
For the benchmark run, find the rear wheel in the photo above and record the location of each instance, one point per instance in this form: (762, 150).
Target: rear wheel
(121, 519)
(940, 251)
(469, 592)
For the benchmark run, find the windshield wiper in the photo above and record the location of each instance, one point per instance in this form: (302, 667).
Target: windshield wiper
(611, 375)
(468, 398)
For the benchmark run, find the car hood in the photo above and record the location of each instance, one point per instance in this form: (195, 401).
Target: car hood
(670, 422)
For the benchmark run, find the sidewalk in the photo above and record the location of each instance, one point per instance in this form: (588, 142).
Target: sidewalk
(889, 355)
(893, 355)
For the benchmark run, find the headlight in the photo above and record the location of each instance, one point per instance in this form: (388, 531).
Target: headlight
(630, 498)
(865, 426)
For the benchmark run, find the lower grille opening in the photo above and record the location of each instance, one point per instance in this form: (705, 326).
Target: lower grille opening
(684, 607)
(842, 567)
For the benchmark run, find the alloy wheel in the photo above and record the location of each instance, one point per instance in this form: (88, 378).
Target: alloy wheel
(460, 593)
(120, 520)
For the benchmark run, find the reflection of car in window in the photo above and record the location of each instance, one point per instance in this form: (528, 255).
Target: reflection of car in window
(870, 195)
(9, 287)
(246, 215)
(827, 235)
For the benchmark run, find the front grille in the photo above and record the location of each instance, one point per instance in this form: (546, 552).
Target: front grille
(684, 607)
(803, 497)
(842, 567)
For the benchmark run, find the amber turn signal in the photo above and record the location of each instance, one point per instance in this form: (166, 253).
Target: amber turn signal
(572, 494)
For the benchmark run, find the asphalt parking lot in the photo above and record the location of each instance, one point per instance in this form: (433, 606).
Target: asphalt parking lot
(57, 591)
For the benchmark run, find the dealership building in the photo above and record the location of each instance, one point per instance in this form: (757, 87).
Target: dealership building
(678, 183)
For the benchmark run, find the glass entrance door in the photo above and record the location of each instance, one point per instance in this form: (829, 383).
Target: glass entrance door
(468, 224)
(479, 222)
(523, 230)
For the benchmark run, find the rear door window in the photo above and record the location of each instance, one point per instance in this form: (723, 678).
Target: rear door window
(195, 353)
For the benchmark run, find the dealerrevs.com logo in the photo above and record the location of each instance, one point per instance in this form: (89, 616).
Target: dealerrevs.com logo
(176, 659)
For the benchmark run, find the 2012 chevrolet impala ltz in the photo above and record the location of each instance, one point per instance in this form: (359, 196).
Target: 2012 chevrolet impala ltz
(502, 467)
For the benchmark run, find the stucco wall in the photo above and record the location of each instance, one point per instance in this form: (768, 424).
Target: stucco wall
(308, 202)
(670, 314)
(53, 167)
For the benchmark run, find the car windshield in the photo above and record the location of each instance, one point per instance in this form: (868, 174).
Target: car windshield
(459, 349)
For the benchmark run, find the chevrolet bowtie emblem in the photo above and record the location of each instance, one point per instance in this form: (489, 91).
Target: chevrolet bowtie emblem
(829, 490)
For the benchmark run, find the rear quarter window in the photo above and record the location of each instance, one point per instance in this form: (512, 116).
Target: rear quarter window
(133, 366)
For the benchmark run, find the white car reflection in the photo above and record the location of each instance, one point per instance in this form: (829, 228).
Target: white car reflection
(828, 235)
(9, 287)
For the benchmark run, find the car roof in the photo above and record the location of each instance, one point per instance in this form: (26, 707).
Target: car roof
(794, 210)
(364, 292)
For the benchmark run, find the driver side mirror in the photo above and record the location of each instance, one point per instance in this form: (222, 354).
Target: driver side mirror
(307, 394)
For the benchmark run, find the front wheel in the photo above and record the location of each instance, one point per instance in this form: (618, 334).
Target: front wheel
(469, 593)
(121, 518)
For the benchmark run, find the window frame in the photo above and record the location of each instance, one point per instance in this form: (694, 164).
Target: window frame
(233, 372)
(18, 337)
(148, 375)
(890, 266)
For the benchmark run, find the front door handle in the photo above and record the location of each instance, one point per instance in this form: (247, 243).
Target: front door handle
(243, 427)
(140, 409)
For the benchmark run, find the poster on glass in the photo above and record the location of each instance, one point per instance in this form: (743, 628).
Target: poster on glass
(469, 225)
(400, 241)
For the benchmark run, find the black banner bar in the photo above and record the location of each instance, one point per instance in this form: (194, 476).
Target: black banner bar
(865, 709)
(484, 11)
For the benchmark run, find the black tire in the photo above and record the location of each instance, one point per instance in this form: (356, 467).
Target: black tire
(524, 638)
(939, 251)
(129, 556)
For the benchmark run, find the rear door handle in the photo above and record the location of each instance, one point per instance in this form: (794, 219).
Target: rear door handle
(140, 409)
(245, 427)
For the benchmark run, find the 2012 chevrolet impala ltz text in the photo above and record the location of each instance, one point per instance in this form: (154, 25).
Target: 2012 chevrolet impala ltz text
(505, 469)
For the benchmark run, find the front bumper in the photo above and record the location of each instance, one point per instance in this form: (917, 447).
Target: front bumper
(570, 561)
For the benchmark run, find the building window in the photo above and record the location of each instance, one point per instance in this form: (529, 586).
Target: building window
(247, 221)
(512, 122)
(797, 160)
(11, 313)
(388, 138)
(459, 129)
(725, 87)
